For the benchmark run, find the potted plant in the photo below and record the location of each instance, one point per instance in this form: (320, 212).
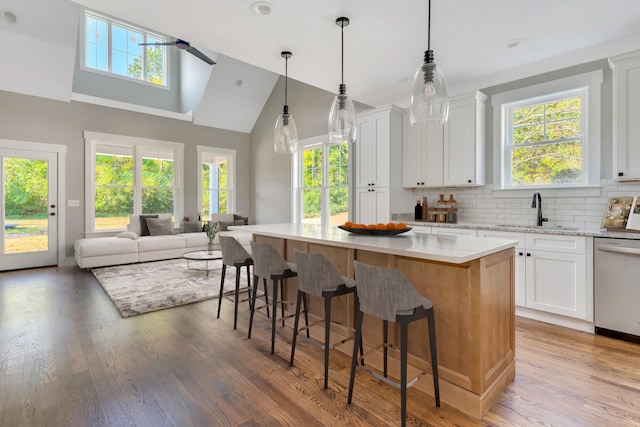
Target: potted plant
(211, 229)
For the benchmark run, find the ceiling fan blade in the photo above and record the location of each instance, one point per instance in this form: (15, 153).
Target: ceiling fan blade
(197, 53)
(157, 44)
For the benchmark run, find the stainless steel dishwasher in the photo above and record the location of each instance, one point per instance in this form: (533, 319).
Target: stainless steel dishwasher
(617, 288)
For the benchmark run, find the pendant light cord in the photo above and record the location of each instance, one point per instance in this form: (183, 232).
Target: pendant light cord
(429, 27)
(286, 78)
(342, 57)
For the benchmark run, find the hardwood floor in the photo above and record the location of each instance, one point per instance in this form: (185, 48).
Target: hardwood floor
(67, 358)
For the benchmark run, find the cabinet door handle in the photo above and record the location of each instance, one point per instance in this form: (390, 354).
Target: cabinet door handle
(620, 173)
(528, 254)
(520, 253)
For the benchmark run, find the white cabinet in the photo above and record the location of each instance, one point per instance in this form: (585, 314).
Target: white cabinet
(421, 162)
(552, 275)
(373, 205)
(379, 193)
(449, 155)
(626, 116)
(556, 277)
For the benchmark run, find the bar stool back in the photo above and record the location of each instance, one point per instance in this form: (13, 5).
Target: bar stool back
(268, 263)
(318, 277)
(234, 255)
(387, 294)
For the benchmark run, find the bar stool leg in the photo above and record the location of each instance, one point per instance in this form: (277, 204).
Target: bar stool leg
(253, 303)
(273, 318)
(295, 327)
(404, 327)
(224, 270)
(327, 332)
(306, 314)
(237, 297)
(282, 304)
(385, 339)
(249, 288)
(357, 343)
(266, 295)
(434, 355)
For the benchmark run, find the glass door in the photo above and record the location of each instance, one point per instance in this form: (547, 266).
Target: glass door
(28, 186)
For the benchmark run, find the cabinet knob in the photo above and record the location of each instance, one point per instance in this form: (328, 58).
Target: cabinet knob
(417, 183)
(469, 181)
(620, 173)
(422, 183)
(520, 253)
(528, 254)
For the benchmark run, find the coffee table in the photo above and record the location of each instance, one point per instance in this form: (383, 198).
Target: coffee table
(200, 257)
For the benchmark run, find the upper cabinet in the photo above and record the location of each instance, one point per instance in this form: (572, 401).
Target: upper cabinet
(378, 152)
(626, 116)
(449, 155)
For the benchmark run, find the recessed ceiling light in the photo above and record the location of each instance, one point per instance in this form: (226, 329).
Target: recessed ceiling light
(9, 17)
(261, 8)
(513, 43)
(239, 83)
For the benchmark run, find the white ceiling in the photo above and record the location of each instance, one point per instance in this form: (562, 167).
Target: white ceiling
(384, 44)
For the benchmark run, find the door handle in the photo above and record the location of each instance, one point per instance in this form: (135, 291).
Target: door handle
(620, 250)
(52, 214)
(53, 206)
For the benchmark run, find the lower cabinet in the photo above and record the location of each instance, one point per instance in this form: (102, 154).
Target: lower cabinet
(373, 205)
(553, 275)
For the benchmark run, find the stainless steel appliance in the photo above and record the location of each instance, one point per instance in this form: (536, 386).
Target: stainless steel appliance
(617, 288)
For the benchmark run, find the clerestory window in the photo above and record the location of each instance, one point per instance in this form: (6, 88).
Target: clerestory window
(115, 47)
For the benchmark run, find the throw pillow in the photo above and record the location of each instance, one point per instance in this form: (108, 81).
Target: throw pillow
(144, 230)
(240, 220)
(128, 235)
(224, 225)
(160, 226)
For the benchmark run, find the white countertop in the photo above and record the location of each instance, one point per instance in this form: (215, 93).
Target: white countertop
(444, 248)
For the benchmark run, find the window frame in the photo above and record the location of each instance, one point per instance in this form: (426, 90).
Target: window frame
(590, 84)
(145, 35)
(138, 146)
(230, 154)
(298, 179)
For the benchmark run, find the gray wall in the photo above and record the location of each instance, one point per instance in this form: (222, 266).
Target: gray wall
(27, 118)
(271, 183)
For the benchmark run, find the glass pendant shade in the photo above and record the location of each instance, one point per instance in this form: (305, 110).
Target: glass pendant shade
(342, 115)
(285, 139)
(342, 120)
(285, 136)
(429, 102)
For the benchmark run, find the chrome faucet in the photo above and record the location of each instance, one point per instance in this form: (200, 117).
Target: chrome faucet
(538, 204)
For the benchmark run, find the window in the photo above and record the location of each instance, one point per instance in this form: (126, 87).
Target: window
(114, 47)
(548, 135)
(127, 176)
(321, 193)
(216, 181)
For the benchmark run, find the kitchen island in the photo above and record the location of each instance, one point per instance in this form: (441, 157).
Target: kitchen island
(469, 280)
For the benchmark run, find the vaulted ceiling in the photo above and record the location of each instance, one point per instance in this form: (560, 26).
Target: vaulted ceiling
(384, 44)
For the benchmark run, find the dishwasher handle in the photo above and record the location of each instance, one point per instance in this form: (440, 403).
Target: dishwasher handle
(620, 250)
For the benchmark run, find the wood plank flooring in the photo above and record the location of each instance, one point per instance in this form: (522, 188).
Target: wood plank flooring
(67, 358)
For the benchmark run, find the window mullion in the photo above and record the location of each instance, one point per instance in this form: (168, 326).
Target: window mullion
(137, 182)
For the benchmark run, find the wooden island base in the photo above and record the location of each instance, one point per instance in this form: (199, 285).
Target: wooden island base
(474, 317)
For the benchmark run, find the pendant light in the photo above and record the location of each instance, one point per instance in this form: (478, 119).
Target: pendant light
(285, 138)
(342, 116)
(429, 101)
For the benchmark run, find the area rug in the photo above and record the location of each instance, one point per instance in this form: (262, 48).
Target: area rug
(149, 286)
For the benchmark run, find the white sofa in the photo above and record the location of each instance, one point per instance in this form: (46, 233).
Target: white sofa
(130, 246)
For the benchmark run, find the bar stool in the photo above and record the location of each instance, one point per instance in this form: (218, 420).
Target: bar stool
(234, 255)
(317, 276)
(387, 294)
(268, 263)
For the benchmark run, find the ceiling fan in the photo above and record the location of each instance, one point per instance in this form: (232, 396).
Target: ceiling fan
(184, 45)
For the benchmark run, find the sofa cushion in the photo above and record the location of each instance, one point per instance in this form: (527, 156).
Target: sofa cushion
(222, 225)
(160, 226)
(161, 243)
(196, 240)
(135, 223)
(240, 220)
(101, 246)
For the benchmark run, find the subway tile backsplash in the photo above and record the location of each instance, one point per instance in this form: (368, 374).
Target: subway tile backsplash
(478, 205)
